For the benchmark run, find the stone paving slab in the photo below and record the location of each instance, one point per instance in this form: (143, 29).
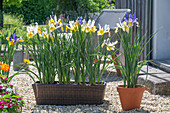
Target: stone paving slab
(158, 81)
(151, 70)
(163, 64)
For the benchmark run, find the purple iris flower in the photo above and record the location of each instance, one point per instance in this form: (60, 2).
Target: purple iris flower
(15, 38)
(10, 39)
(132, 18)
(80, 19)
(125, 19)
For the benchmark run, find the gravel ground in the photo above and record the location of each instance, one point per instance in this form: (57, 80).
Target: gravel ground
(150, 102)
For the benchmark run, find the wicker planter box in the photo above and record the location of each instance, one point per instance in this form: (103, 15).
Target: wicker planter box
(69, 94)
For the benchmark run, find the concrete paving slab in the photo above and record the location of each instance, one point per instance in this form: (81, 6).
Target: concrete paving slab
(151, 70)
(163, 64)
(157, 82)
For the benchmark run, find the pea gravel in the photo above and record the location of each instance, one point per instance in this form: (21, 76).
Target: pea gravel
(150, 102)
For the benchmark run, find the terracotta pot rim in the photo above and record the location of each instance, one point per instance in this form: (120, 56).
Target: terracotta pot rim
(138, 86)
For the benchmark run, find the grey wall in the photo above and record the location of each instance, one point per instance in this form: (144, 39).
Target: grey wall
(161, 25)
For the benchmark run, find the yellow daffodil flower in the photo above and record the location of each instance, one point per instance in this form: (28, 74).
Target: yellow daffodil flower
(61, 25)
(137, 23)
(109, 34)
(30, 34)
(52, 38)
(83, 28)
(75, 28)
(27, 61)
(7, 38)
(66, 29)
(100, 32)
(20, 40)
(87, 29)
(103, 44)
(59, 20)
(126, 28)
(110, 46)
(93, 29)
(117, 28)
(77, 23)
(52, 22)
(39, 31)
(52, 28)
(122, 26)
(71, 26)
(44, 33)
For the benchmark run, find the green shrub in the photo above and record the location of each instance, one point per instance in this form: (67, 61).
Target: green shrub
(38, 10)
(14, 21)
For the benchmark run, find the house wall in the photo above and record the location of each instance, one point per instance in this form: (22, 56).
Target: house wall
(161, 25)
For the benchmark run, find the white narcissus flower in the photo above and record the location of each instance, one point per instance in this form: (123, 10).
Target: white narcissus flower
(104, 30)
(44, 33)
(124, 26)
(110, 45)
(70, 26)
(101, 31)
(90, 26)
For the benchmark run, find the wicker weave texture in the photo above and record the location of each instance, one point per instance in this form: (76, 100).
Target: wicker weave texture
(54, 94)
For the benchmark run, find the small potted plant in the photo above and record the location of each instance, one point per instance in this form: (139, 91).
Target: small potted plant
(10, 100)
(131, 93)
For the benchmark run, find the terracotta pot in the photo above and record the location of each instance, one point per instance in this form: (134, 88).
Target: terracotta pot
(130, 97)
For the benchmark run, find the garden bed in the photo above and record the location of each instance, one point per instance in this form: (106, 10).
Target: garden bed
(150, 102)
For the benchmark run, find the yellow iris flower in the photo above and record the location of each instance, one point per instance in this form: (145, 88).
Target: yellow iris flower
(11, 43)
(130, 24)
